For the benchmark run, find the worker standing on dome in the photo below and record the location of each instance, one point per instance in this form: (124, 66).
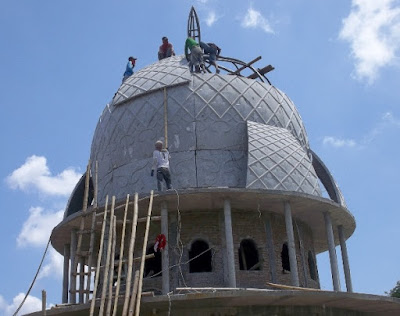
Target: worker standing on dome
(196, 55)
(212, 51)
(161, 164)
(129, 68)
(166, 49)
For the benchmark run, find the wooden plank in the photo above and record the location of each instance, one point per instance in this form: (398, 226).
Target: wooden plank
(288, 287)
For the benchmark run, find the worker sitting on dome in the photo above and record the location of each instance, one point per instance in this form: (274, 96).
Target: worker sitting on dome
(161, 164)
(129, 68)
(166, 49)
(212, 52)
(195, 58)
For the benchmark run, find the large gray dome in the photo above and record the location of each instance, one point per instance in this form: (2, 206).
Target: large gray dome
(223, 131)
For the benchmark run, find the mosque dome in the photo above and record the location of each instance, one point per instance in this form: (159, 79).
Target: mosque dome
(223, 131)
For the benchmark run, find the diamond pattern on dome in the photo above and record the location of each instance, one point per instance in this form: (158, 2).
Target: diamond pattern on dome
(242, 99)
(276, 161)
(167, 72)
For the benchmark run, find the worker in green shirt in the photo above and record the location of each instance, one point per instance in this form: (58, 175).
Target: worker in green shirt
(196, 55)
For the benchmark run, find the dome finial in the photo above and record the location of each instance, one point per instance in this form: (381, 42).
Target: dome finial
(193, 29)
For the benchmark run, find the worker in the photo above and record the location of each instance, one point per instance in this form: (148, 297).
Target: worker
(196, 55)
(129, 68)
(161, 165)
(166, 49)
(213, 52)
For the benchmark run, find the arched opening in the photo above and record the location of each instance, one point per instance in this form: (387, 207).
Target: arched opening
(285, 258)
(201, 257)
(152, 266)
(311, 266)
(248, 255)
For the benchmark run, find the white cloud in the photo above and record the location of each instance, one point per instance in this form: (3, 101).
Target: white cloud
(54, 266)
(37, 228)
(211, 18)
(336, 142)
(32, 304)
(373, 31)
(386, 121)
(35, 173)
(254, 19)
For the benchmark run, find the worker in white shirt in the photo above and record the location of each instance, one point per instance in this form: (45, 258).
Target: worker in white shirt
(161, 164)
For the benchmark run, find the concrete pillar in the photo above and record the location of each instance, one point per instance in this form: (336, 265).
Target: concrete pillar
(345, 259)
(72, 296)
(302, 255)
(66, 274)
(332, 252)
(270, 248)
(229, 244)
(81, 279)
(165, 252)
(294, 273)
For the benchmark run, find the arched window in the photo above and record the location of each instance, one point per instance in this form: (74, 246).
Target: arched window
(311, 266)
(248, 255)
(285, 258)
(152, 266)
(201, 257)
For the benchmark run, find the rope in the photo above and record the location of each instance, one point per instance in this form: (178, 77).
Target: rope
(34, 279)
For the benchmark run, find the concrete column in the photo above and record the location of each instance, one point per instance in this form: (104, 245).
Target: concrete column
(81, 279)
(165, 252)
(229, 244)
(270, 248)
(72, 296)
(345, 259)
(294, 273)
(332, 252)
(66, 274)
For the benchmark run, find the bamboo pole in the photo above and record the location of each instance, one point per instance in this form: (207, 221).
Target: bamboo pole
(74, 266)
(108, 255)
(81, 279)
(96, 180)
(86, 193)
(165, 118)
(146, 236)
(112, 266)
(44, 298)
(96, 282)
(134, 293)
(90, 259)
(121, 256)
(288, 287)
(130, 255)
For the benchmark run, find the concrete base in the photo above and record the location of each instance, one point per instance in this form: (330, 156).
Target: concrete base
(254, 302)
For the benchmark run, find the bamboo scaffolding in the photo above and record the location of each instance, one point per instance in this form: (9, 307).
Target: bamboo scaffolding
(111, 270)
(134, 293)
(165, 118)
(96, 282)
(146, 236)
(130, 255)
(121, 256)
(108, 255)
(74, 266)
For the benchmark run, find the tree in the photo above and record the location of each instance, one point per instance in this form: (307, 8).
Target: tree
(395, 292)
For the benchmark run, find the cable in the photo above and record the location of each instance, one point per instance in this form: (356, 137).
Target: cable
(34, 279)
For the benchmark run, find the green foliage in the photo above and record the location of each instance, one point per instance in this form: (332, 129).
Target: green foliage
(395, 292)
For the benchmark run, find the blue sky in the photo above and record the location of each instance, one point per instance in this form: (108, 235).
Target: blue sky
(62, 61)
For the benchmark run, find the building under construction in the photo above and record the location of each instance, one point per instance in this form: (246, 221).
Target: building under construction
(239, 232)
